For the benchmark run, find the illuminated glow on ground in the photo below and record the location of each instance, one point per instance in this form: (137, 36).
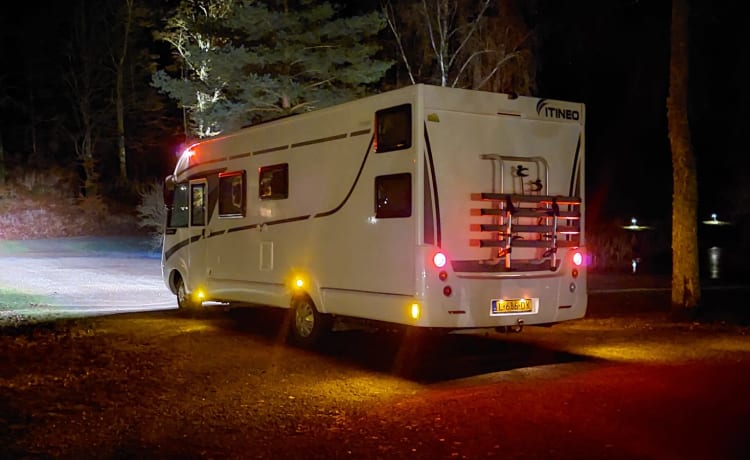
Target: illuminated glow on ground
(79, 277)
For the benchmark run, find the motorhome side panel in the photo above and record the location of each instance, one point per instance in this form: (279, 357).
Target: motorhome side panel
(326, 228)
(341, 224)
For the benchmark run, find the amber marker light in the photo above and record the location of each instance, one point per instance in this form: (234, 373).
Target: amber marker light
(415, 311)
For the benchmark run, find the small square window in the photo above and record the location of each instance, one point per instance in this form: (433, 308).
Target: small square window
(393, 196)
(393, 128)
(232, 188)
(273, 182)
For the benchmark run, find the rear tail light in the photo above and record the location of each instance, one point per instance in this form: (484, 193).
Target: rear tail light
(439, 260)
(578, 258)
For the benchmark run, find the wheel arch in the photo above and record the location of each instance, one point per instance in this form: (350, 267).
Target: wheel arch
(310, 288)
(174, 275)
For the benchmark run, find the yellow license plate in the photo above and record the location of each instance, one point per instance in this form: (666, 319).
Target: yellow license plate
(503, 306)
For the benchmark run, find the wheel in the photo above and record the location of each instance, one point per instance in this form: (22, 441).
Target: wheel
(307, 325)
(185, 302)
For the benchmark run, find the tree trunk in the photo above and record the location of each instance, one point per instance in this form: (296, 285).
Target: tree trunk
(120, 108)
(686, 291)
(119, 96)
(2, 161)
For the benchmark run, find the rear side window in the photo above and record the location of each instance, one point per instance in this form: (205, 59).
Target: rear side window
(393, 128)
(232, 188)
(273, 182)
(393, 196)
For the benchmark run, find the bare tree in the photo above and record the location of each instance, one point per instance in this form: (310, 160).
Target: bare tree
(4, 101)
(119, 63)
(85, 79)
(686, 290)
(480, 45)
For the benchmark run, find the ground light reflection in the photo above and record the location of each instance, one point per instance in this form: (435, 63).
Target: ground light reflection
(683, 345)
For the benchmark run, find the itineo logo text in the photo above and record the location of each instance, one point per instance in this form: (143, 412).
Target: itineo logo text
(550, 111)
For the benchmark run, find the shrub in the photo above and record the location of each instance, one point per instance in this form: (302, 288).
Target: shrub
(152, 212)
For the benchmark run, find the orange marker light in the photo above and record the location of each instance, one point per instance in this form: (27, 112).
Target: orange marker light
(415, 311)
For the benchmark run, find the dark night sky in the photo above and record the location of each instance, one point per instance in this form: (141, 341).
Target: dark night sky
(613, 56)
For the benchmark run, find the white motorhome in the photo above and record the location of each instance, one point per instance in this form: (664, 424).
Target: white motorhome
(425, 206)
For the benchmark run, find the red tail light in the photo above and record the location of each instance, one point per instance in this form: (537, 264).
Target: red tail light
(578, 258)
(439, 260)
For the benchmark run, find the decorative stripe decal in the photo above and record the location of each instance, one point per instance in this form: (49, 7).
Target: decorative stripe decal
(319, 141)
(286, 221)
(170, 252)
(181, 244)
(365, 292)
(360, 132)
(244, 227)
(241, 155)
(351, 190)
(438, 231)
(573, 175)
(272, 149)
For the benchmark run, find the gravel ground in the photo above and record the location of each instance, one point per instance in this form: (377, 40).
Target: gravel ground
(159, 385)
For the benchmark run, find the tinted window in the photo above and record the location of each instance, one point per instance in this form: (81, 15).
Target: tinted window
(393, 128)
(273, 182)
(393, 196)
(232, 194)
(198, 208)
(178, 212)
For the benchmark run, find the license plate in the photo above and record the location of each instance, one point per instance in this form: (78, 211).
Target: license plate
(503, 306)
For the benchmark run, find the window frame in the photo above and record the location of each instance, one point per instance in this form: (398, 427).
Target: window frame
(204, 203)
(393, 212)
(242, 211)
(280, 167)
(183, 210)
(380, 115)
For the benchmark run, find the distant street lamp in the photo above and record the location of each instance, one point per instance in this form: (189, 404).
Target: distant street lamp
(634, 227)
(714, 252)
(714, 220)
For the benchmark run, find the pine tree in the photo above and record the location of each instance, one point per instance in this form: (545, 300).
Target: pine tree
(243, 61)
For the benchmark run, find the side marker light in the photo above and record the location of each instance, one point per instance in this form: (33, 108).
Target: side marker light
(415, 311)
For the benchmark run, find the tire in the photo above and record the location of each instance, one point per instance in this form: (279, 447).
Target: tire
(187, 306)
(307, 326)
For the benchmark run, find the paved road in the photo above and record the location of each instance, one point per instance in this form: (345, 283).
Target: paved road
(93, 276)
(80, 276)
